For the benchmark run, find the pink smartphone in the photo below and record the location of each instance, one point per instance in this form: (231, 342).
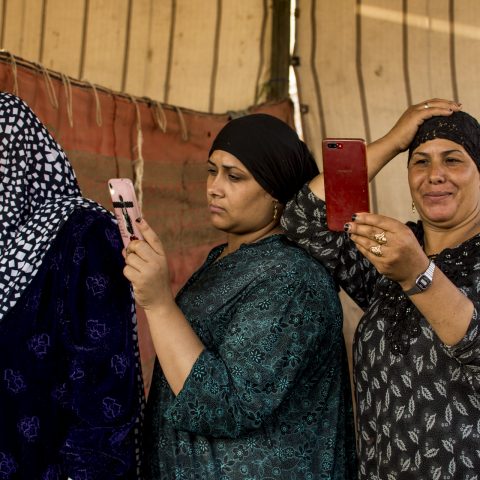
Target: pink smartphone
(125, 207)
(346, 179)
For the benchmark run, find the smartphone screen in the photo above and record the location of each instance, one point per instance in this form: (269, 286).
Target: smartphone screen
(346, 180)
(125, 207)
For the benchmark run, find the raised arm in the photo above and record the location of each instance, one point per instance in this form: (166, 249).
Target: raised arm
(397, 140)
(176, 344)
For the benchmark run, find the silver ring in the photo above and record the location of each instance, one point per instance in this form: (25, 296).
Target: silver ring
(426, 105)
(380, 238)
(376, 250)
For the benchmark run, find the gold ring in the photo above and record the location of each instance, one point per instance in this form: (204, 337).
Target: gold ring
(426, 105)
(380, 238)
(376, 250)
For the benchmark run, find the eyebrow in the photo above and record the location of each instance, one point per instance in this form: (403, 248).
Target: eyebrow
(223, 165)
(446, 152)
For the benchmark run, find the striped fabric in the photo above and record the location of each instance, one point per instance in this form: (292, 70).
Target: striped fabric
(211, 56)
(362, 62)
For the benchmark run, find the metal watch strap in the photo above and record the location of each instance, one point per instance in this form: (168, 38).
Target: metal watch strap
(423, 281)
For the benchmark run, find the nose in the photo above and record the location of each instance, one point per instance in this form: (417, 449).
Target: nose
(436, 174)
(214, 186)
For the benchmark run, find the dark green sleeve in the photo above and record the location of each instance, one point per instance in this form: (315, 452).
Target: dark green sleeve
(283, 321)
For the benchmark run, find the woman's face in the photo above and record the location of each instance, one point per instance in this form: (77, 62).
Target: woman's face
(444, 183)
(237, 203)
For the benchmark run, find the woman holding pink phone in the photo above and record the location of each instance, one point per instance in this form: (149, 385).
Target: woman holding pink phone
(416, 350)
(251, 379)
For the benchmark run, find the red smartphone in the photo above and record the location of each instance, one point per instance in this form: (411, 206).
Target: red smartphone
(346, 179)
(125, 207)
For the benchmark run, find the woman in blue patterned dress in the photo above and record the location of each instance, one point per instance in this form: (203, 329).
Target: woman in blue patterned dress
(251, 380)
(70, 382)
(417, 347)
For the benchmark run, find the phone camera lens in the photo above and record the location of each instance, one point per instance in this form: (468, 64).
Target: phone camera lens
(332, 145)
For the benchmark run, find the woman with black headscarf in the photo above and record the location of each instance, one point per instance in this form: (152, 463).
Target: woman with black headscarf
(251, 379)
(417, 347)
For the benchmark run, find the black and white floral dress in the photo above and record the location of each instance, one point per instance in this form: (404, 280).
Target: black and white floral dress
(418, 401)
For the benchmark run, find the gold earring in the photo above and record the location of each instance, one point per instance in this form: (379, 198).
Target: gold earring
(413, 207)
(275, 211)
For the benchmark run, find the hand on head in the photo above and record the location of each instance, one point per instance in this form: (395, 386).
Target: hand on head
(147, 269)
(389, 245)
(407, 125)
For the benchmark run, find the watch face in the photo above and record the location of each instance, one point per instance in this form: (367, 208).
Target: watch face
(423, 282)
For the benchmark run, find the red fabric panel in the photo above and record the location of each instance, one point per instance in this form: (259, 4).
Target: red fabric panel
(174, 197)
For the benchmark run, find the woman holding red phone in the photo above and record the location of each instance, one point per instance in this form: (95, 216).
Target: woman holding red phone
(251, 379)
(417, 347)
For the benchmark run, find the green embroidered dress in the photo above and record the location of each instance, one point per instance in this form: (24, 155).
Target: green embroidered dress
(269, 397)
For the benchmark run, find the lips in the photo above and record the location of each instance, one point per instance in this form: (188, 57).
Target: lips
(437, 194)
(215, 208)
(436, 197)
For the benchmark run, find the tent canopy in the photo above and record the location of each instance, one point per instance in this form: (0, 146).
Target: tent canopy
(160, 77)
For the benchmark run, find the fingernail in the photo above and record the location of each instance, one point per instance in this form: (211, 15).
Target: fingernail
(346, 227)
(354, 217)
(138, 220)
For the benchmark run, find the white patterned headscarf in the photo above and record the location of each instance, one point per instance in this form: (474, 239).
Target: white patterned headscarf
(38, 192)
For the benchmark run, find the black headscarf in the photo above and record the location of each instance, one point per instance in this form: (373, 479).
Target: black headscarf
(271, 151)
(459, 127)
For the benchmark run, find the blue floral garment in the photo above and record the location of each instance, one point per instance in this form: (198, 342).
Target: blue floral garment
(269, 398)
(70, 384)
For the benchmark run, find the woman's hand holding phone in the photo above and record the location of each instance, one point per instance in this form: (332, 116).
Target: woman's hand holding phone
(126, 208)
(147, 269)
(146, 263)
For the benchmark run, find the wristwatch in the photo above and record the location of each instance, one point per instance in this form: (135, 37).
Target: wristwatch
(423, 281)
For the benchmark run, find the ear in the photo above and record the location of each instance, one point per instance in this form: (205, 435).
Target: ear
(268, 195)
(272, 198)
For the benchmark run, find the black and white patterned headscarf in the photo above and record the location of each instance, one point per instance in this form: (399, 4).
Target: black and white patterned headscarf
(38, 192)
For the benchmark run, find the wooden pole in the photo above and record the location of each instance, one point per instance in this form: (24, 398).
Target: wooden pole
(280, 60)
